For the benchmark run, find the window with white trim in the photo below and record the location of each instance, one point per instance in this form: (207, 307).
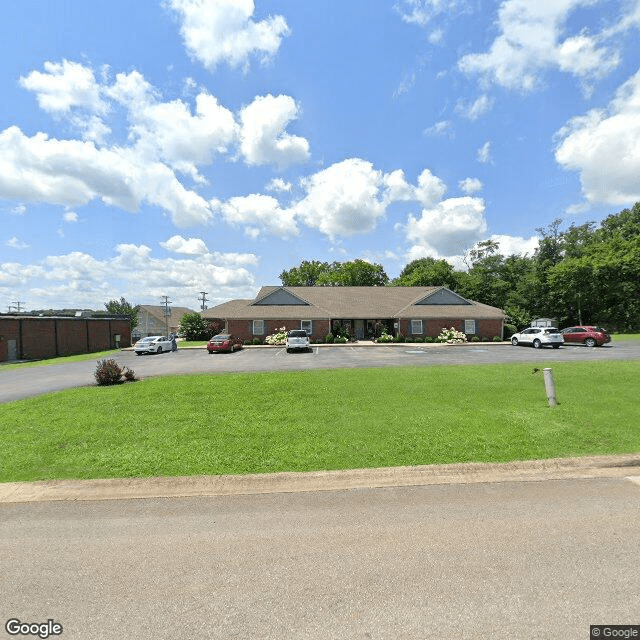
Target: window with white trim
(258, 328)
(306, 325)
(470, 327)
(416, 327)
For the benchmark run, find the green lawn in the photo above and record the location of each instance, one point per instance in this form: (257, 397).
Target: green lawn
(313, 420)
(62, 359)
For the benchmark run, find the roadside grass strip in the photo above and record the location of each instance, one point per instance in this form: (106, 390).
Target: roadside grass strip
(218, 424)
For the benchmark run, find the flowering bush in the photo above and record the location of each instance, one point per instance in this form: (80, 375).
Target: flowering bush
(280, 337)
(451, 336)
(385, 337)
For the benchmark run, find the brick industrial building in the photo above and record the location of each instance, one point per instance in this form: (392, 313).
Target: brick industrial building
(37, 337)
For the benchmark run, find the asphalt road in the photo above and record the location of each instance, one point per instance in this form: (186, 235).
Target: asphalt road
(511, 560)
(32, 381)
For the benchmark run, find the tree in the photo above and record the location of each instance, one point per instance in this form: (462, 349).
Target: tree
(357, 273)
(123, 308)
(305, 275)
(426, 272)
(194, 327)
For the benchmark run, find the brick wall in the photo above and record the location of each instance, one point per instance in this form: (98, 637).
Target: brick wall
(432, 328)
(38, 338)
(243, 328)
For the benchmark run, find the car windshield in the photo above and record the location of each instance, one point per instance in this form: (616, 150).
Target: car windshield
(221, 336)
(148, 339)
(300, 333)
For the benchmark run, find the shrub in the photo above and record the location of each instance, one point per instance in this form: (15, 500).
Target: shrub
(385, 337)
(340, 340)
(428, 340)
(509, 330)
(409, 339)
(256, 341)
(108, 371)
(280, 337)
(451, 336)
(129, 374)
(329, 338)
(497, 339)
(418, 339)
(475, 339)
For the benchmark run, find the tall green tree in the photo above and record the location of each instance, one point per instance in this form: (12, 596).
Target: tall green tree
(304, 275)
(355, 273)
(426, 272)
(124, 308)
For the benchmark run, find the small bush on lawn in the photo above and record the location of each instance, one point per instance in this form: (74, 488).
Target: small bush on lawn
(108, 371)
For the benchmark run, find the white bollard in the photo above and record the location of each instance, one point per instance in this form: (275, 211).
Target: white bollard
(550, 386)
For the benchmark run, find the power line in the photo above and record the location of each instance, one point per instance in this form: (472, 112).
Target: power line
(203, 299)
(167, 312)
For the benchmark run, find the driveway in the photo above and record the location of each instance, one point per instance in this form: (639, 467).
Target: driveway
(32, 381)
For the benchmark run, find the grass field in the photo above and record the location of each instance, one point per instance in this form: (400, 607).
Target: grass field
(313, 420)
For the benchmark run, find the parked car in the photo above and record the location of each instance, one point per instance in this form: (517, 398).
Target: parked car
(153, 344)
(538, 337)
(224, 342)
(587, 335)
(298, 340)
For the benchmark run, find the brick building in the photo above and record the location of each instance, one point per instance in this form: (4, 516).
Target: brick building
(37, 337)
(364, 311)
(152, 320)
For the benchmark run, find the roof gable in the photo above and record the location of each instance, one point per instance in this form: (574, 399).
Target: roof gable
(280, 298)
(442, 296)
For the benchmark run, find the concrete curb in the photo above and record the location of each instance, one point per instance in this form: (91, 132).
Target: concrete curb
(627, 465)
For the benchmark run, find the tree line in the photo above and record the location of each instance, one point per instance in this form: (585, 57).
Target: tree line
(584, 274)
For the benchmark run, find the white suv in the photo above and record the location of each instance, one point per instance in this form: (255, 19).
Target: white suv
(538, 337)
(298, 340)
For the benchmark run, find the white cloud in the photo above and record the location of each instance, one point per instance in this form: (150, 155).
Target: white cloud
(441, 128)
(65, 85)
(70, 216)
(344, 199)
(604, 146)
(532, 41)
(223, 31)
(80, 279)
(515, 245)
(476, 109)
(18, 210)
(259, 209)
(263, 139)
(278, 184)
(470, 185)
(447, 228)
(422, 12)
(72, 173)
(190, 246)
(484, 153)
(15, 243)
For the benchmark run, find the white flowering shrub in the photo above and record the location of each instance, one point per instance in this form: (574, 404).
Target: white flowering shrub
(384, 337)
(280, 337)
(451, 336)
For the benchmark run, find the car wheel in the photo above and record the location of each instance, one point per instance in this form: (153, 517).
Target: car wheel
(590, 342)
(537, 344)
(159, 350)
(514, 342)
(556, 346)
(138, 353)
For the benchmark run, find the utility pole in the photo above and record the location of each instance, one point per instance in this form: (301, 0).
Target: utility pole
(203, 299)
(16, 306)
(167, 312)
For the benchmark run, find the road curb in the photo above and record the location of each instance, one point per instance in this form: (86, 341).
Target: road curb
(627, 465)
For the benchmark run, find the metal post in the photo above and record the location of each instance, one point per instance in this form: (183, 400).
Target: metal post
(550, 386)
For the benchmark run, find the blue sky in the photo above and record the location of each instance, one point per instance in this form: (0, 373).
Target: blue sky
(170, 147)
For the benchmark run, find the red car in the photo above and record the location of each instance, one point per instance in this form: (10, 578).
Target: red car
(224, 342)
(587, 335)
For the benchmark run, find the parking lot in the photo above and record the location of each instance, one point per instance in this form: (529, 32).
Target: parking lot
(31, 381)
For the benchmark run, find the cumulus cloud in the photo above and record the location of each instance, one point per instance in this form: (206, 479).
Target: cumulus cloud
(470, 185)
(261, 210)
(80, 279)
(278, 184)
(70, 216)
(515, 245)
(603, 146)
(188, 246)
(447, 228)
(532, 41)
(423, 12)
(224, 31)
(263, 139)
(15, 243)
